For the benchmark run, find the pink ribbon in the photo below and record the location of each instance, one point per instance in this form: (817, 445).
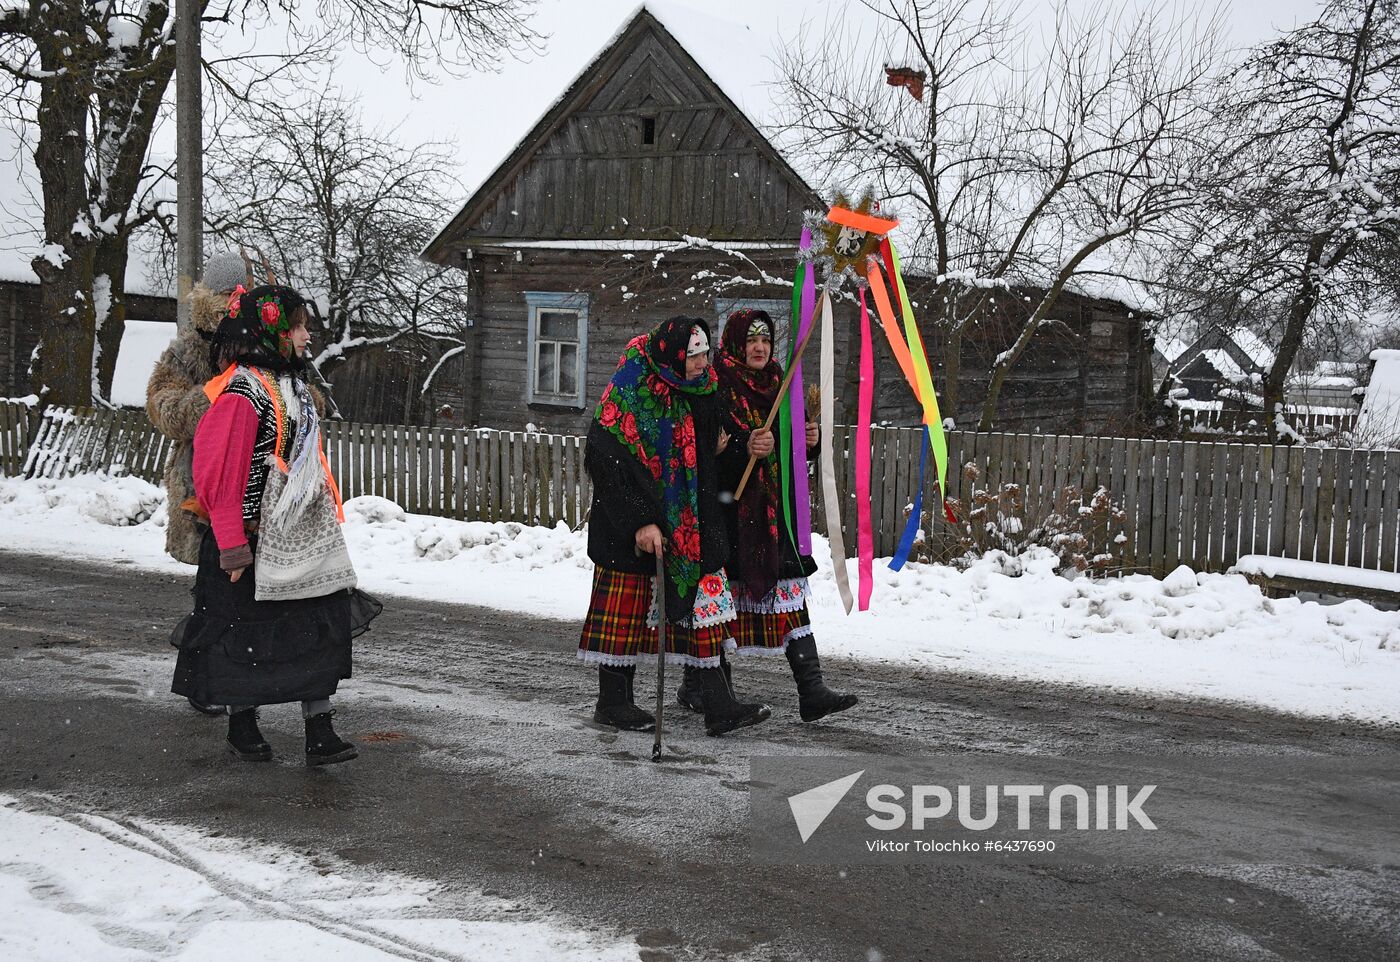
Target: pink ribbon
(865, 535)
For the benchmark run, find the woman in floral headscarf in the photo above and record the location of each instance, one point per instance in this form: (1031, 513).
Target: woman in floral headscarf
(769, 576)
(240, 647)
(651, 454)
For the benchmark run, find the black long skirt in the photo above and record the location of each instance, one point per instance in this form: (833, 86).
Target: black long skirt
(235, 650)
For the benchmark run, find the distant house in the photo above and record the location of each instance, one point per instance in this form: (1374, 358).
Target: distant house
(646, 191)
(1220, 362)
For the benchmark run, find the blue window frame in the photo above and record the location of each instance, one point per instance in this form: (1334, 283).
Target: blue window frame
(557, 355)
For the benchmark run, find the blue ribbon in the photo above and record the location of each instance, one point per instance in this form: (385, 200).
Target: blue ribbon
(911, 528)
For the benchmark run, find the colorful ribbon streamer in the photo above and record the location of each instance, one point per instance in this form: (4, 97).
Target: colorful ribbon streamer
(865, 535)
(830, 499)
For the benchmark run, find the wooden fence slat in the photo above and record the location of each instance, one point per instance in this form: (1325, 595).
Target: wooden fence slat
(1132, 506)
(1216, 557)
(1375, 482)
(1186, 526)
(520, 451)
(1341, 509)
(1293, 505)
(1234, 466)
(1311, 495)
(1278, 501)
(1175, 469)
(1390, 512)
(1256, 539)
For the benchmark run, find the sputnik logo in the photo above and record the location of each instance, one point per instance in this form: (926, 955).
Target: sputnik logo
(810, 808)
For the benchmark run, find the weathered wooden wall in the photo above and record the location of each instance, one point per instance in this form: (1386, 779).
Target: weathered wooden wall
(591, 172)
(626, 297)
(21, 326)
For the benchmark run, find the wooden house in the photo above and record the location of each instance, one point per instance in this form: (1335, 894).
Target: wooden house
(646, 191)
(20, 328)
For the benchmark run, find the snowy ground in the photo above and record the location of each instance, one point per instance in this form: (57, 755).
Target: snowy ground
(1193, 636)
(66, 878)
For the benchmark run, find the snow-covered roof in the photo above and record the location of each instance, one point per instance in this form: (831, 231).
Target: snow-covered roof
(1379, 420)
(739, 59)
(1171, 348)
(1220, 359)
(142, 344)
(1254, 347)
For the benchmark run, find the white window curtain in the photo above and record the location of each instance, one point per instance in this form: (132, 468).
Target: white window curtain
(557, 356)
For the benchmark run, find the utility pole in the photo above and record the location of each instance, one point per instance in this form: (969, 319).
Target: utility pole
(189, 152)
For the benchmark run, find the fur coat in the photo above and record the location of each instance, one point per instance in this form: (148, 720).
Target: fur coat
(175, 402)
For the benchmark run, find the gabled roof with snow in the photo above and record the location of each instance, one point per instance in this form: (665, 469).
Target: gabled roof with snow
(644, 142)
(1254, 347)
(1170, 348)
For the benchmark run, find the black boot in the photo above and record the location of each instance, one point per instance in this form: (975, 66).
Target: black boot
(814, 699)
(323, 745)
(615, 706)
(244, 738)
(204, 709)
(722, 712)
(689, 694)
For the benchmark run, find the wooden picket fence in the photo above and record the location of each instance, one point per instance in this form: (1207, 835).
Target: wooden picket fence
(1198, 503)
(14, 436)
(468, 474)
(1251, 425)
(1205, 504)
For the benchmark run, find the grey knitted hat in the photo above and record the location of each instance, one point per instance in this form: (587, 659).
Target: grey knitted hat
(224, 271)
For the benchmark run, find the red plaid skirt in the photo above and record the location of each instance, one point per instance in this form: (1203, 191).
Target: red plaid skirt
(616, 632)
(769, 633)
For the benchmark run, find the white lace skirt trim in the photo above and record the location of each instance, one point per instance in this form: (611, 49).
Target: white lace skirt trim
(789, 594)
(733, 646)
(594, 658)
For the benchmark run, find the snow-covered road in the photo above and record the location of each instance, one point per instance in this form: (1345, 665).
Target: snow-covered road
(483, 783)
(1191, 635)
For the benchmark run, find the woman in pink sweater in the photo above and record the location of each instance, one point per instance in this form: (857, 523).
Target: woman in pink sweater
(238, 647)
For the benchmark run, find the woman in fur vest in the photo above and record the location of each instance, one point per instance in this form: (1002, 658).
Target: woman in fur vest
(651, 454)
(260, 475)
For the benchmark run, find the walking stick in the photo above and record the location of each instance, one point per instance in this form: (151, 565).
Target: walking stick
(773, 414)
(660, 651)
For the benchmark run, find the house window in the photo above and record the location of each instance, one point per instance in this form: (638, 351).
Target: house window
(779, 310)
(558, 346)
(649, 131)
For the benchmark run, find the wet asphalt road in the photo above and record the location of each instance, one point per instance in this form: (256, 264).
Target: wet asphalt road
(481, 768)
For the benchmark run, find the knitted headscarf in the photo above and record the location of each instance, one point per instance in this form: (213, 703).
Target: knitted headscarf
(751, 396)
(646, 407)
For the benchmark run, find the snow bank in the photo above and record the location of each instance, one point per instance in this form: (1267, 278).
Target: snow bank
(1189, 635)
(113, 502)
(67, 880)
(142, 344)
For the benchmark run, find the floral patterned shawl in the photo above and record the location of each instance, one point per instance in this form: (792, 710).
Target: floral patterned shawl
(646, 407)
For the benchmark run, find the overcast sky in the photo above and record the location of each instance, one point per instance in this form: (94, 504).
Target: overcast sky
(486, 114)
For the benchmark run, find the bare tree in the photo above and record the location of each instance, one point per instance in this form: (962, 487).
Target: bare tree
(1021, 167)
(1306, 233)
(341, 211)
(87, 81)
